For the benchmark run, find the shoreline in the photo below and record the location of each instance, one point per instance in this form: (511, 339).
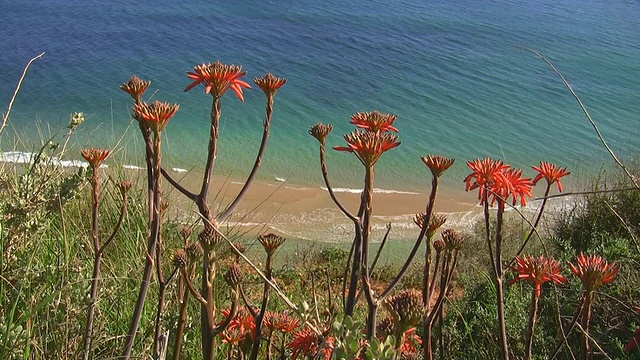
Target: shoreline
(308, 212)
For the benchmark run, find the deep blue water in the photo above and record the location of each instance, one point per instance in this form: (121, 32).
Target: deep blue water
(454, 72)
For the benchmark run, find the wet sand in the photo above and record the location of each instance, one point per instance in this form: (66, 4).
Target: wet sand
(308, 213)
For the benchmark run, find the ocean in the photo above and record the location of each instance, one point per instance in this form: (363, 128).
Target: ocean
(456, 73)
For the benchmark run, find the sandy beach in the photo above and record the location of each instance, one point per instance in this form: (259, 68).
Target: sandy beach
(308, 213)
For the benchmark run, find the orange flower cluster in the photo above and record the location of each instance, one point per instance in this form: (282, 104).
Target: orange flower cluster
(94, 156)
(156, 115)
(437, 164)
(269, 84)
(241, 326)
(593, 271)
(370, 144)
(310, 345)
(135, 87)
(537, 271)
(551, 173)
(374, 121)
(217, 78)
(494, 179)
(276, 321)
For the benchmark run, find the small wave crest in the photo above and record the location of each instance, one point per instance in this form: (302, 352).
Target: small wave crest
(375, 190)
(19, 157)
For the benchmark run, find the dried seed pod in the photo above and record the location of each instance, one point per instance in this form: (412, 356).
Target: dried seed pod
(180, 258)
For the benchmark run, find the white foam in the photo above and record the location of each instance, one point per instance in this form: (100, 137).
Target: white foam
(16, 157)
(19, 157)
(375, 190)
(280, 179)
(132, 167)
(179, 170)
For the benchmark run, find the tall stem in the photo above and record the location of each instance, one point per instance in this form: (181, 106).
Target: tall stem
(255, 348)
(213, 148)
(504, 346)
(151, 249)
(96, 264)
(584, 322)
(364, 267)
(533, 312)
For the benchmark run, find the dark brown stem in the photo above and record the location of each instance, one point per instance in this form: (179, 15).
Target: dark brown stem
(584, 323)
(213, 148)
(255, 348)
(151, 249)
(379, 252)
(564, 335)
(183, 300)
(177, 185)
(372, 306)
(92, 306)
(325, 177)
(533, 227)
(504, 346)
(533, 313)
(123, 211)
(416, 246)
(256, 165)
(95, 183)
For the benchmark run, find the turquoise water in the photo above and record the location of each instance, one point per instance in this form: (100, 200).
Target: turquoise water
(454, 72)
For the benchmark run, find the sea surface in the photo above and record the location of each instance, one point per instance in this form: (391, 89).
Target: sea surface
(457, 74)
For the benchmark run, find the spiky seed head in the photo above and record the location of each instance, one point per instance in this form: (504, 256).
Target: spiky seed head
(385, 327)
(320, 131)
(209, 236)
(233, 276)
(435, 222)
(180, 258)
(240, 247)
(437, 164)
(410, 355)
(195, 251)
(406, 308)
(270, 242)
(439, 245)
(185, 232)
(452, 239)
(124, 186)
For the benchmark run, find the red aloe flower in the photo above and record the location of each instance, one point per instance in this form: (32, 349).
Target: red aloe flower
(593, 271)
(241, 326)
(276, 321)
(269, 84)
(635, 340)
(135, 87)
(374, 121)
(217, 78)
(537, 271)
(156, 115)
(512, 184)
(411, 343)
(551, 173)
(94, 156)
(307, 343)
(485, 172)
(368, 146)
(437, 164)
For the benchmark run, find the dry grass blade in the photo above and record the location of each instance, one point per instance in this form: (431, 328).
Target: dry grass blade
(5, 116)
